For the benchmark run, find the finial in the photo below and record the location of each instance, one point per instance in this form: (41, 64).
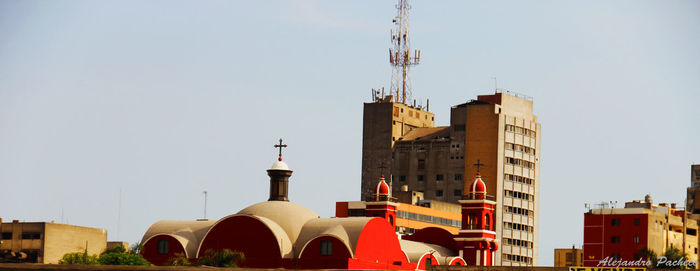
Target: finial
(280, 146)
(381, 168)
(478, 165)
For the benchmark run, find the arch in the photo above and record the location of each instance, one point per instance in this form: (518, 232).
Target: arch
(311, 254)
(457, 261)
(261, 240)
(379, 245)
(423, 262)
(487, 222)
(151, 253)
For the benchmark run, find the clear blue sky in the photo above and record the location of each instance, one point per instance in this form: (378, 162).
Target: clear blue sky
(165, 99)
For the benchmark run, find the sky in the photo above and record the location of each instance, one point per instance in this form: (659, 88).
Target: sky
(117, 114)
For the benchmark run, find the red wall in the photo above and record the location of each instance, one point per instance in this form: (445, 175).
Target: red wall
(598, 232)
(248, 235)
(341, 209)
(311, 256)
(378, 248)
(433, 235)
(150, 249)
(422, 263)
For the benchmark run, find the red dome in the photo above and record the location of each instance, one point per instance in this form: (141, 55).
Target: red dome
(382, 187)
(382, 192)
(478, 186)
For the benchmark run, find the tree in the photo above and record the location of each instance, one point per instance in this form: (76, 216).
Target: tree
(650, 255)
(78, 258)
(224, 258)
(178, 260)
(121, 258)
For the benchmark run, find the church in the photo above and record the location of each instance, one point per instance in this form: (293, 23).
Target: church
(278, 233)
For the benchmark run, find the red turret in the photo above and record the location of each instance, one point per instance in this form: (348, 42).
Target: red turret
(477, 236)
(382, 205)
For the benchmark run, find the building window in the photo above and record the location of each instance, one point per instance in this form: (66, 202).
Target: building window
(421, 163)
(458, 192)
(615, 239)
(428, 262)
(31, 235)
(402, 178)
(163, 246)
(636, 239)
(438, 193)
(6, 236)
(326, 248)
(615, 222)
(439, 177)
(459, 177)
(421, 178)
(356, 212)
(636, 221)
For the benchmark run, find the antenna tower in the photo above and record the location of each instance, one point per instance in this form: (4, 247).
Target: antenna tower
(400, 56)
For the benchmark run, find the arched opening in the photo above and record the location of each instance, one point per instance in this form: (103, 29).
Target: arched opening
(325, 252)
(161, 248)
(248, 235)
(487, 222)
(472, 221)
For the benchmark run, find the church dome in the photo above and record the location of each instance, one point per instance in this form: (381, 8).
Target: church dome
(290, 216)
(478, 186)
(382, 187)
(279, 165)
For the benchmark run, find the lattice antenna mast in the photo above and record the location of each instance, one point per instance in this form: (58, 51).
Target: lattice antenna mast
(400, 57)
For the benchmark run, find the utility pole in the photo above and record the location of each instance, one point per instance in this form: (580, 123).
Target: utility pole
(205, 204)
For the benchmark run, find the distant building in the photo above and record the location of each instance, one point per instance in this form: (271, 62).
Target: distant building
(622, 233)
(693, 197)
(412, 213)
(499, 131)
(565, 257)
(47, 242)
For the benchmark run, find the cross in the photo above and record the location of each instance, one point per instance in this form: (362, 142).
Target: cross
(382, 167)
(280, 146)
(478, 164)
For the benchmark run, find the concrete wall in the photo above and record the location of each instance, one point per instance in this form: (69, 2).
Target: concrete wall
(50, 241)
(62, 238)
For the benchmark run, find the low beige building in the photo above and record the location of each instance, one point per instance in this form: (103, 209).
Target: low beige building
(47, 242)
(565, 257)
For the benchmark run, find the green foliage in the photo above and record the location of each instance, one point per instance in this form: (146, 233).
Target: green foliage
(116, 249)
(224, 258)
(113, 256)
(178, 260)
(116, 258)
(78, 258)
(136, 248)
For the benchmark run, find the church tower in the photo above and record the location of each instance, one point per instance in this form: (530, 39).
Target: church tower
(382, 206)
(477, 236)
(279, 178)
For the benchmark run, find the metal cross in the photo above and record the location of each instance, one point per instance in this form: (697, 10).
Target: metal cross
(382, 167)
(280, 146)
(478, 164)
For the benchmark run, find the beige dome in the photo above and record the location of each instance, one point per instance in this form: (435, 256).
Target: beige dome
(291, 217)
(188, 233)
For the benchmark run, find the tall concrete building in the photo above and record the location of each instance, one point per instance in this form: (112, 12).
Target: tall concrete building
(692, 203)
(498, 132)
